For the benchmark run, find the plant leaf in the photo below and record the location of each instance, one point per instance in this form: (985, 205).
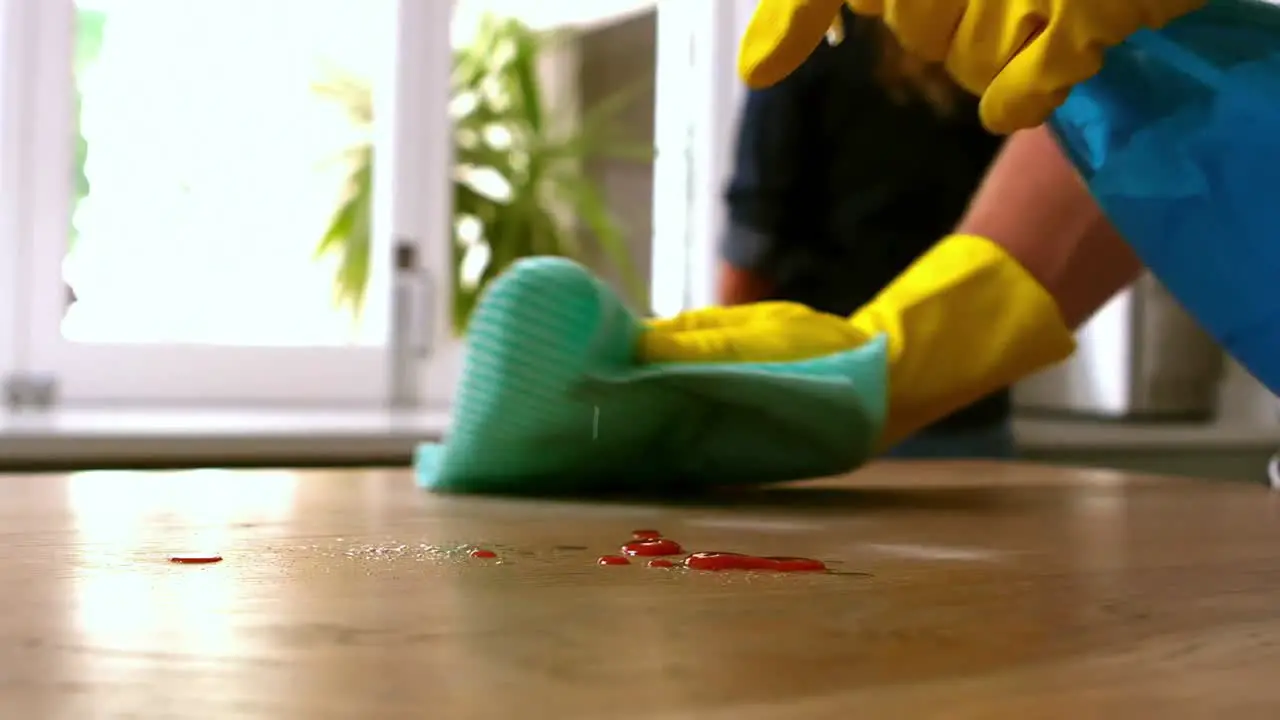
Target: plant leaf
(498, 73)
(609, 236)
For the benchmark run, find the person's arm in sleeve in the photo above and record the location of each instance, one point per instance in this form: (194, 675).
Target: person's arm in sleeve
(762, 182)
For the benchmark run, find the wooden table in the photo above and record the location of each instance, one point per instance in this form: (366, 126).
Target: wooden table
(961, 591)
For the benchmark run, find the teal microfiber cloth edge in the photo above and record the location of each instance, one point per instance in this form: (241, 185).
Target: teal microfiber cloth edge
(551, 400)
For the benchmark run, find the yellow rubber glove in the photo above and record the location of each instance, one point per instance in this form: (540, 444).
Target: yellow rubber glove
(1021, 56)
(965, 320)
(780, 36)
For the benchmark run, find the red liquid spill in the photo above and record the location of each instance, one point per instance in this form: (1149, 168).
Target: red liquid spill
(660, 563)
(612, 560)
(656, 547)
(736, 561)
(646, 534)
(195, 559)
(483, 554)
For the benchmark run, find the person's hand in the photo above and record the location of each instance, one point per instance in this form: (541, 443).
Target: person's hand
(1021, 56)
(965, 320)
(780, 36)
(758, 332)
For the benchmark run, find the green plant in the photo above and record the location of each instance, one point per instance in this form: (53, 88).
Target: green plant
(90, 26)
(519, 186)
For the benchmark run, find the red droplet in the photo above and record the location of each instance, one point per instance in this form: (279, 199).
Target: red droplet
(737, 561)
(193, 559)
(646, 534)
(661, 563)
(656, 547)
(481, 553)
(612, 560)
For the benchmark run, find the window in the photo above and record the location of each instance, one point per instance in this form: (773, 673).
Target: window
(170, 168)
(10, 202)
(186, 159)
(699, 95)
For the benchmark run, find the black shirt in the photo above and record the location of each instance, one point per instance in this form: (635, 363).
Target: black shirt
(837, 187)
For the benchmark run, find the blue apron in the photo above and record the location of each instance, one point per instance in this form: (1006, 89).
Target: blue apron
(1178, 138)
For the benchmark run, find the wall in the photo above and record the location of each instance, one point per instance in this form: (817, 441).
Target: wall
(698, 97)
(612, 58)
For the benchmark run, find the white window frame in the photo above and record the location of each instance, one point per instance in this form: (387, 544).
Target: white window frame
(420, 173)
(413, 147)
(699, 97)
(13, 88)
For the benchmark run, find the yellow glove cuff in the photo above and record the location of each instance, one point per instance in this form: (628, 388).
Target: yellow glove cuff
(963, 321)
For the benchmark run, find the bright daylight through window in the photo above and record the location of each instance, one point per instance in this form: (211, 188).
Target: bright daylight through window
(213, 153)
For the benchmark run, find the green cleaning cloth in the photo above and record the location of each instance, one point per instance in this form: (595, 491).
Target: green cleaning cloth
(552, 400)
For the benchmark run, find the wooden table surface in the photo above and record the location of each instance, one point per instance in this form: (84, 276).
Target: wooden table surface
(961, 591)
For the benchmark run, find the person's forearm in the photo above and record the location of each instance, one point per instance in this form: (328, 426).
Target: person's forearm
(740, 287)
(1036, 207)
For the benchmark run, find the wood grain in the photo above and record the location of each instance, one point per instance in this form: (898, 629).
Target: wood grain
(963, 591)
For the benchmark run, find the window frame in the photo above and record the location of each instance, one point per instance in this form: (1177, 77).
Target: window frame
(413, 145)
(15, 87)
(699, 97)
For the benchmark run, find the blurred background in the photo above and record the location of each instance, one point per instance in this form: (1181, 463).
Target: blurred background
(236, 231)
